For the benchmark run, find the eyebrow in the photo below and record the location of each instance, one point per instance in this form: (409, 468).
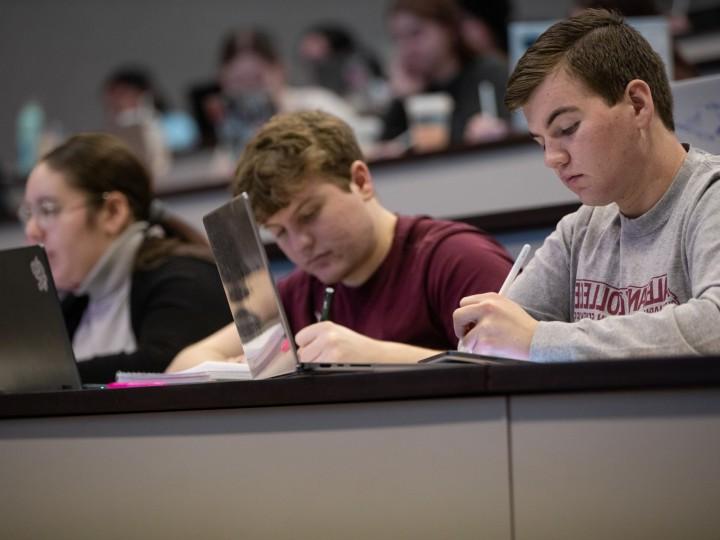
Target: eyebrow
(295, 212)
(553, 115)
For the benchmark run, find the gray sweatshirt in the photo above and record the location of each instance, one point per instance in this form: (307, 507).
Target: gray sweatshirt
(606, 286)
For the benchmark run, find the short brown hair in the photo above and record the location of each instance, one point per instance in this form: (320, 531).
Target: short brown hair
(601, 50)
(248, 40)
(290, 148)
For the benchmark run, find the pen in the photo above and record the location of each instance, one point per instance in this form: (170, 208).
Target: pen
(514, 271)
(327, 302)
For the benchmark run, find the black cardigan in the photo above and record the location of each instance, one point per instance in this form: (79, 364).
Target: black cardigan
(171, 306)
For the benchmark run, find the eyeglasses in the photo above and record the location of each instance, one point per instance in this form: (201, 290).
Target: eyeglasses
(47, 211)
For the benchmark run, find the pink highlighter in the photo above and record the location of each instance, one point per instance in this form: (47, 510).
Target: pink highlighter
(134, 384)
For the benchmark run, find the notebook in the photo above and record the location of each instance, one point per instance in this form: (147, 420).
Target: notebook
(256, 306)
(35, 350)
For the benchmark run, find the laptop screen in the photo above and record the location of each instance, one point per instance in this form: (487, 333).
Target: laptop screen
(250, 289)
(35, 350)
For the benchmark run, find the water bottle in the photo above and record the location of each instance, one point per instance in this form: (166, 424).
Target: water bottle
(30, 122)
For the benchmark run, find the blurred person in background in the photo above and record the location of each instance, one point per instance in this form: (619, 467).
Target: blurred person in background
(484, 26)
(332, 58)
(430, 56)
(133, 109)
(252, 86)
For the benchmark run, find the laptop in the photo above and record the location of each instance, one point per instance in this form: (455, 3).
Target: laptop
(257, 308)
(696, 108)
(35, 351)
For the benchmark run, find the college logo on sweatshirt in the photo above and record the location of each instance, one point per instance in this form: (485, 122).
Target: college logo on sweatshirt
(597, 300)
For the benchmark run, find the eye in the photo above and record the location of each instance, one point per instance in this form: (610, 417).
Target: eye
(48, 209)
(309, 215)
(570, 130)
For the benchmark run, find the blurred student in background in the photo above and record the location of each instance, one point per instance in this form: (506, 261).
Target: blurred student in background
(138, 293)
(332, 58)
(252, 87)
(133, 109)
(430, 55)
(485, 26)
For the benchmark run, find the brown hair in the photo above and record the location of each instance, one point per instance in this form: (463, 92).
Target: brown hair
(290, 148)
(248, 40)
(446, 13)
(598, 48)
(99, 163)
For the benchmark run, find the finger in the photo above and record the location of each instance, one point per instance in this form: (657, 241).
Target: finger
(474, 299)
(465, 318)
(311, 352)
(311, 333)
(470, 342)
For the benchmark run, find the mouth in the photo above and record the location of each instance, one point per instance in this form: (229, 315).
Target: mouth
(570, 179)
(317, 260)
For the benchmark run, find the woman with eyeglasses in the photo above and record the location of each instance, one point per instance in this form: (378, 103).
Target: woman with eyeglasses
(137, 292)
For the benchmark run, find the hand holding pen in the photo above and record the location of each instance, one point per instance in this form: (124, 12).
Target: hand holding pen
(490, 324)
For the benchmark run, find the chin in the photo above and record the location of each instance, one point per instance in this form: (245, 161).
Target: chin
(327, 278)
(329, 275)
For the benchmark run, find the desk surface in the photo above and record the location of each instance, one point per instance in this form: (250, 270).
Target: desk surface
(429, 382)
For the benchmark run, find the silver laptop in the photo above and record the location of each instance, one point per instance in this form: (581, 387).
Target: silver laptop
(256, 305)
(35, 350)
(696, 107)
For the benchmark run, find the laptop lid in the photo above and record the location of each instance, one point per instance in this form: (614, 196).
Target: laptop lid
(696, 108)
(35, 350)
(250, 289)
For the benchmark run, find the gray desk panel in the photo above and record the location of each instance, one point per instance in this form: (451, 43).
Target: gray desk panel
(616, 465)
(411, 469)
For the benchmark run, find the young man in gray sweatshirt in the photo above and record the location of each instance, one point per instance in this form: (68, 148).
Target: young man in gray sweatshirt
(635, 272)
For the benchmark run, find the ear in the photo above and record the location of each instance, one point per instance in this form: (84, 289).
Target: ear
(639, 96)
(115, 214)
(361, 180)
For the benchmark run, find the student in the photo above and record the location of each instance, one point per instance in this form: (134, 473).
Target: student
(134, 109)
(635, 272)
(252, 87)
(332, 57)
(396, 278)
(432, 56)
(88, 201)
(485, 25)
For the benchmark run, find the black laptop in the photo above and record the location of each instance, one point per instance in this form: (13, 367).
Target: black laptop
(35, 350)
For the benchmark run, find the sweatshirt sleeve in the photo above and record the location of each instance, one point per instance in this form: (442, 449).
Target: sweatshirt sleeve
(685, 329)
(543, 287)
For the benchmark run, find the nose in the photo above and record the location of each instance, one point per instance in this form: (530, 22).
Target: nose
(556, 157)
(302, 241)
(33, 232)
